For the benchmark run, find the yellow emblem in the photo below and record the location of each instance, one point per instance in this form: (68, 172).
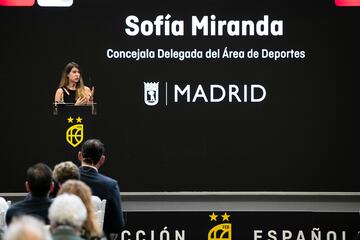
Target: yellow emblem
(75, 134)
(221, 231)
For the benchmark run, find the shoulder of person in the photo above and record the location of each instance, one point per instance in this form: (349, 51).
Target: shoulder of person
(87, 88)
(107, 179)
(15, 205)
(59, 90)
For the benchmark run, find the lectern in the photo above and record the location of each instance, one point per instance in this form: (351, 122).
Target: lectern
(70, 107)
(73, 125)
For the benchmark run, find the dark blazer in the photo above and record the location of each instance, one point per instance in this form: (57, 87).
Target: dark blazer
(105, 188)
(34, 206)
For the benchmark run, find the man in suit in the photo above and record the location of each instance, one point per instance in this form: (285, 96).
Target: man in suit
(92, 158)
(39, 184)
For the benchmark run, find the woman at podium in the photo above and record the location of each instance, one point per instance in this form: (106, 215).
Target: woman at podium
(72, 89)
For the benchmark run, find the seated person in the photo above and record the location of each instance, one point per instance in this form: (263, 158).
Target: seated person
(67, 215)
(90, 228)
(92, 158)
(62, 172)
(27, 228)
(39, 184)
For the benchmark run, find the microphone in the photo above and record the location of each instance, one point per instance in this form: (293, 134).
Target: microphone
(90, 82)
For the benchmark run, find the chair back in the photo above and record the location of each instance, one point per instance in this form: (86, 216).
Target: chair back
(2, 220)
(4, 205)
(99, 208)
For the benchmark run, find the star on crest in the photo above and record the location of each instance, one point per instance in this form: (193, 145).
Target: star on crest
(225, 217)
(70, 119)
(213, 217)
(78, 120)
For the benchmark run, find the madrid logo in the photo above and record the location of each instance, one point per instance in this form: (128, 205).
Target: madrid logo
(220, 231)
(151, 93)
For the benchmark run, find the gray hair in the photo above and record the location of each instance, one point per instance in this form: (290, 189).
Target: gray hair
(67, 209)
(25, 228)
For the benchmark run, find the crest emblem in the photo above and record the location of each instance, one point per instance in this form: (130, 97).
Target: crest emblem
(151, 93)
(220, 231)
(75, 133)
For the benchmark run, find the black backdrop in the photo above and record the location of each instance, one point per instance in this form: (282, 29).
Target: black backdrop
(302, 137)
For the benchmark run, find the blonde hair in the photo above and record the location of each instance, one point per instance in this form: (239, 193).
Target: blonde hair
(64, 171)
(64, 81)
(83, 191)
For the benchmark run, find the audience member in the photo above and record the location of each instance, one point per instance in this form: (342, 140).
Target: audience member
(90, 228)
(67, 214)
(39, 184)
(65, 171)
(62, 172)
(92, 158)
(27, 228)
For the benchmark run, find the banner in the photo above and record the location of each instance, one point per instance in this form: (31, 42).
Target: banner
(191, 96)
(234, 225)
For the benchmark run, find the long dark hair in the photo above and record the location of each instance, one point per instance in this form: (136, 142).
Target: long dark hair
(64, 81)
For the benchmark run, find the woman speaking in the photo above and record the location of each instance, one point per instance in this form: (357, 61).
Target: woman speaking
(72, 89)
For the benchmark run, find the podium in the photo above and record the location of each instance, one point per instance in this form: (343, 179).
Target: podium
(70, 107)
(72, 125)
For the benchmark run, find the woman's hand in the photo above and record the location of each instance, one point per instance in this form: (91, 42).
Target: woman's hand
(81, 101)
(90, 94)
(91, 97)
